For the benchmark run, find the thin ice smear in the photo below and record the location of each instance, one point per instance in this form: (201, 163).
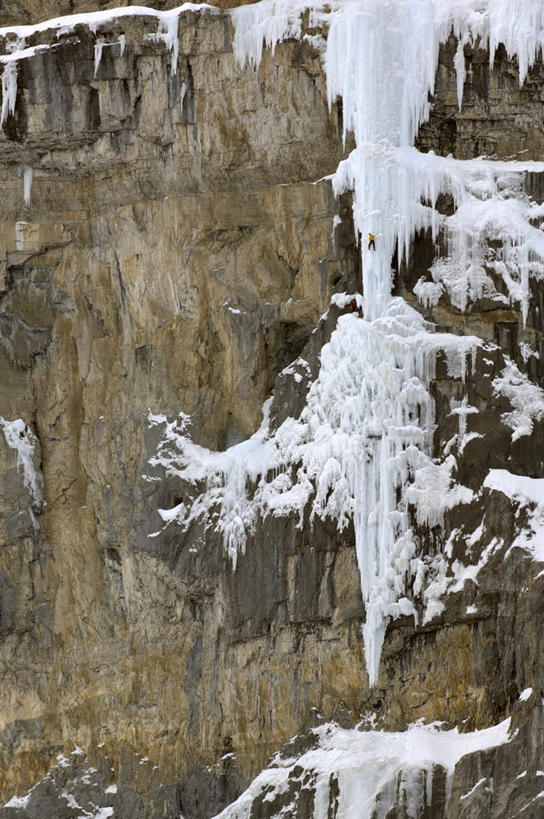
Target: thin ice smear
(19, 437)
(27, 183)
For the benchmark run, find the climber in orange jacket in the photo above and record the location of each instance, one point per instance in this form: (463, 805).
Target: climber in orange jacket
(371, 244)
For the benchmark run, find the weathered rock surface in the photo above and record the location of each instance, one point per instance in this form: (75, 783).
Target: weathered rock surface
(176, 254)
(23, 12)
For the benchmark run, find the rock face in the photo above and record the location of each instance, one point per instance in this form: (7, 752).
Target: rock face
(177, 251)
(24, 12)
(170, 241)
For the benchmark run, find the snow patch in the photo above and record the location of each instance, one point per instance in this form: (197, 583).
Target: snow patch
(473, 789)
(19, 802)
(527, 352)
(517, 487)
(95, 19)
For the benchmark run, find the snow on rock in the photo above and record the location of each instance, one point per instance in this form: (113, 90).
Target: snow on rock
(270, 22)
(69, 788)
(526, 399)
(434, 491)
(523, 490)
(19, 802)
(439, 577)
(527, 352)
(16, 36)
(518, 487)
(20, 437)
(362, 764)
(95, 19)
(474, 788)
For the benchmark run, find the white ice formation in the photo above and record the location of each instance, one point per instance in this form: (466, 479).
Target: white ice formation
(9, 90)
(361, 450)
(365, 766)
(20, 437)
(27, 183)
(525, 398)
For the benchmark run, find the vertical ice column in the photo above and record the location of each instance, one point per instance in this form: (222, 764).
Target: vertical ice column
(9, 90)
(381, 60)
(27, 184)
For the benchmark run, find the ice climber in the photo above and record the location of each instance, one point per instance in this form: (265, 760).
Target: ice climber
(371, 244)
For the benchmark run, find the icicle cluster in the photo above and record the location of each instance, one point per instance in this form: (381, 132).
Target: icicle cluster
(9, 91)
(360, 451)
(27, 183)
(355, 454)
(381, 59)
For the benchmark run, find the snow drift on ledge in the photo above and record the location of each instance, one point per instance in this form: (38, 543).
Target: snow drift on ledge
(15, 38)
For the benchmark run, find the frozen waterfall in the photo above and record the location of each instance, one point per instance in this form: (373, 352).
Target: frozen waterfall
(361, 450)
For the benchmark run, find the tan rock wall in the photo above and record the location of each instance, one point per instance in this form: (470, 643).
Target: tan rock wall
(176, 253)
(173, 257)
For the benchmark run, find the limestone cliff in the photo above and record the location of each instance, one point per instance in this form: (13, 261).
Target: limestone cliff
(170, 241)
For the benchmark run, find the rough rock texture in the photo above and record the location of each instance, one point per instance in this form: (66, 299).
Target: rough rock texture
(176, 253)
(22, 12)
